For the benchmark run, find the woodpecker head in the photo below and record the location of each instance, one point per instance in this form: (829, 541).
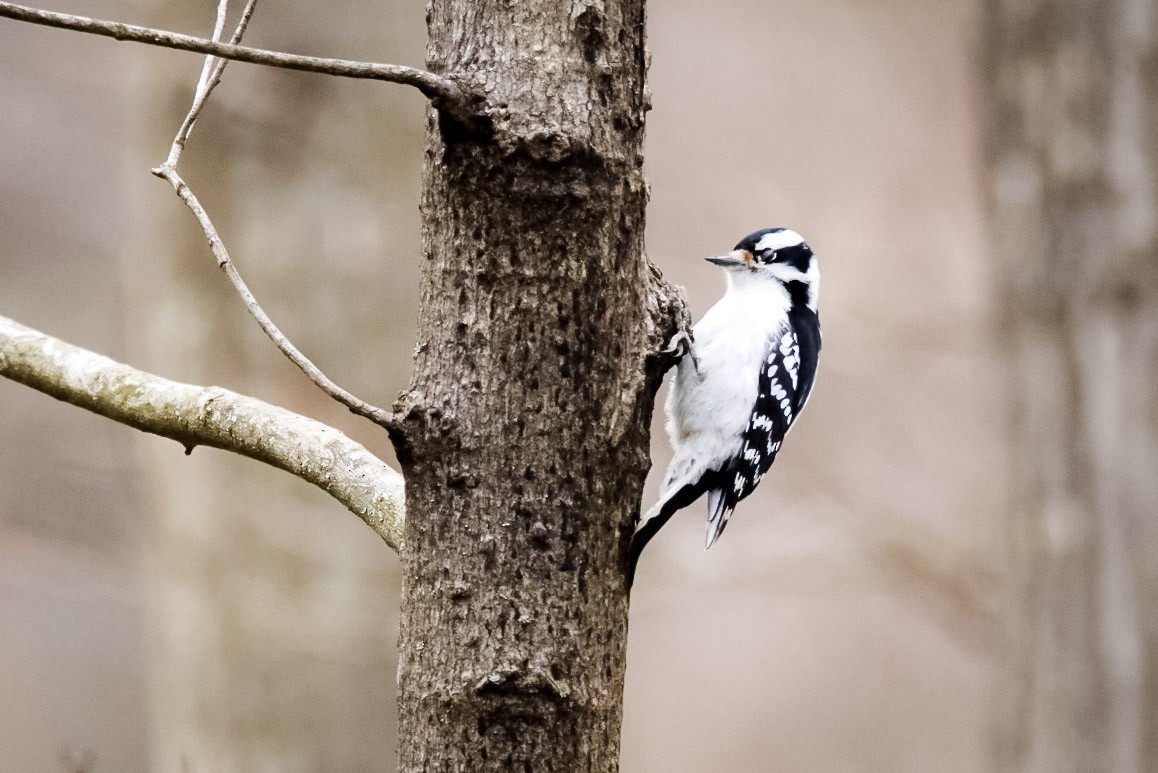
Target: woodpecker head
(775, 254)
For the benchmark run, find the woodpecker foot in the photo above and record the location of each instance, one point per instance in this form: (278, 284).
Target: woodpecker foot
(682, 345)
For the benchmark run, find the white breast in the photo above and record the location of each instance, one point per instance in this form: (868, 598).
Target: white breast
(708, 411)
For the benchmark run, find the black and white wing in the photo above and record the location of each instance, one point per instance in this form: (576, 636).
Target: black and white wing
(785, 383)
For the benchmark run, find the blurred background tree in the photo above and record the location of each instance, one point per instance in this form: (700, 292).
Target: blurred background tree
(1074, 91)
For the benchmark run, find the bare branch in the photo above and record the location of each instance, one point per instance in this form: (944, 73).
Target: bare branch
(356, 405)
(210, 77)
(445, 93)
(210, 416)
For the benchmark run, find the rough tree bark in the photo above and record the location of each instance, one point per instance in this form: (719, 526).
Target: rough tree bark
(1075, 181)
(524, 434)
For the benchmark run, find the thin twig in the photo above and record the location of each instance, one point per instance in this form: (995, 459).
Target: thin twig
(210, 77)
(201, 93)
(218, 30)
(356, 405)
(445, 93)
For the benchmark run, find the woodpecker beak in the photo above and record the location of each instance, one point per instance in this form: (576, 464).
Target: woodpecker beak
(734, 259)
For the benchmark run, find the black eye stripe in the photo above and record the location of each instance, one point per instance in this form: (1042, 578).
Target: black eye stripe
(798, 256)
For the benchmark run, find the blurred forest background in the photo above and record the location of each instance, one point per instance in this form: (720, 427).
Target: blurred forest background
(210, 614)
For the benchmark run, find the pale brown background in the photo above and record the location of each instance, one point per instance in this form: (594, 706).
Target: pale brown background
(205, 613)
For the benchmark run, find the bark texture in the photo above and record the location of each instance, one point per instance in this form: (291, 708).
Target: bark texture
(1075, 176)
(524, 433)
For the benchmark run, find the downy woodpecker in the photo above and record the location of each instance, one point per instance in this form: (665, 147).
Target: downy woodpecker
(744, 377)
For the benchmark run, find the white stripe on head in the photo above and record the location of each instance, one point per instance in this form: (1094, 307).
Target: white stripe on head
(786, 273)
(779, 240)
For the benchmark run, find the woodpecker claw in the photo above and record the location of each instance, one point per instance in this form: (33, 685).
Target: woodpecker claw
(681, 346)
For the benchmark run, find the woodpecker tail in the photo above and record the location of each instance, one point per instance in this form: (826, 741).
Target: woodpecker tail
(676, 497)
(647, 528)
(719, 511)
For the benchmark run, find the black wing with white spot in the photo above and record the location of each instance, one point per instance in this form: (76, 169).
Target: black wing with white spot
(785, 382)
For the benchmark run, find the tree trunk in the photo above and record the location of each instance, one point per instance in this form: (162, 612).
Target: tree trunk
(524, 433)
(1075, 179)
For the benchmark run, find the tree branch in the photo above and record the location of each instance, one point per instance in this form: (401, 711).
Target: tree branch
(445, 93)
(210, 77)
(356, 405)
(209, 416)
